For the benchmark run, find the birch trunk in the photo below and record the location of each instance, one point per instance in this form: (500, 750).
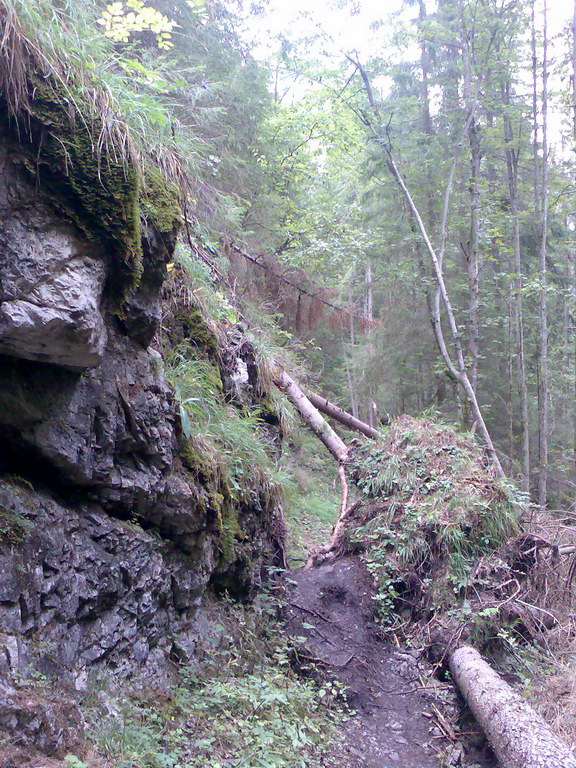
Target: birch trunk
(518, 735)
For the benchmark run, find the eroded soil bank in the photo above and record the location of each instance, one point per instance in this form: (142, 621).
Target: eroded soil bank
(400, 716)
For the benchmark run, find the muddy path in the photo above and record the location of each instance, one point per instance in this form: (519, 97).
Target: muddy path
(399, 719)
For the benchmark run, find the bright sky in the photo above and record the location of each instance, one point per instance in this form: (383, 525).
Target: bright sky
(349, 22)
(349, 26)
(361, 25)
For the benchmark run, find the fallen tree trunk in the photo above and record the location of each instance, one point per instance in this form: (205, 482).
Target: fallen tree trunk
(321, 429)
(518, 735)
(309, 413)
(340, 415)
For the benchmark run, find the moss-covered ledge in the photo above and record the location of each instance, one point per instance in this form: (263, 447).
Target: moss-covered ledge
(92, 173)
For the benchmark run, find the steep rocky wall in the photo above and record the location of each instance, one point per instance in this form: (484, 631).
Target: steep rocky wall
(107, 541)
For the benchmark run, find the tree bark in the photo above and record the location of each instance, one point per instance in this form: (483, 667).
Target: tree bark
(472, 246)
(337, 413)
(573, 269)
(351, 384)
(574, 73)
(519, 737)
(543, 357)
(512, 159)
(310, 414)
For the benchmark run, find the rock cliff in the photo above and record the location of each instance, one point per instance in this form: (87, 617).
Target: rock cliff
(108, 540)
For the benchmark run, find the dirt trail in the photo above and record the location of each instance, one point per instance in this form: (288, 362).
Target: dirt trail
(330, 606)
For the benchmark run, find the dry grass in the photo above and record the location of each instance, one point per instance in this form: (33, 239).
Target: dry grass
(550, 595)
(38, 40)
(554, 696)
(23, 56)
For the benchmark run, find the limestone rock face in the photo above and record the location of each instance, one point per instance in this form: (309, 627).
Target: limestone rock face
(111, 429)
(107, 541)
(93, 588)
(51, 280)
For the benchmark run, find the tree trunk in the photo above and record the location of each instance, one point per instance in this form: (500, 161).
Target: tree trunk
(510, 379)
(332, 410)
(352, 369)
(472, 246)
(518, 735)
(574, 73)
(543, 357)
(573, 269)
(512, 159)
(310, 414)
(351, 385)
(535, 114)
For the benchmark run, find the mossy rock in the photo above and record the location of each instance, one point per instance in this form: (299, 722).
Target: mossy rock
(91, 176)
(199, 466)
(188, 324)
(160, 202)
(219, 500)
(94, 181)
(229, 530)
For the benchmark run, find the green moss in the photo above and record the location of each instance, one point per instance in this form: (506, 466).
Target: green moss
(198, 465)
(188, 324)
(160, 202)
(97, 184)
(95, 180)
(229, 529)
(13, 527)
(218, 498)
(200, 332)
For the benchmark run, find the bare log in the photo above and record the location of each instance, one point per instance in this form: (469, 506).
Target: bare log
(518, 735)
(340, 415)
(310, 414)
(331, 440)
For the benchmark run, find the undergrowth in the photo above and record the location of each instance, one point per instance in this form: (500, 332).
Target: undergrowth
(232, 438)
(430, 510)
(239, 704)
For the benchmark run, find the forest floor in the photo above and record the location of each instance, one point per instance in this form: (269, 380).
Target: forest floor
(399, 714)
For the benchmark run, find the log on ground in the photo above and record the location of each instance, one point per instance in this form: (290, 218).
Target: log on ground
(518, 735)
